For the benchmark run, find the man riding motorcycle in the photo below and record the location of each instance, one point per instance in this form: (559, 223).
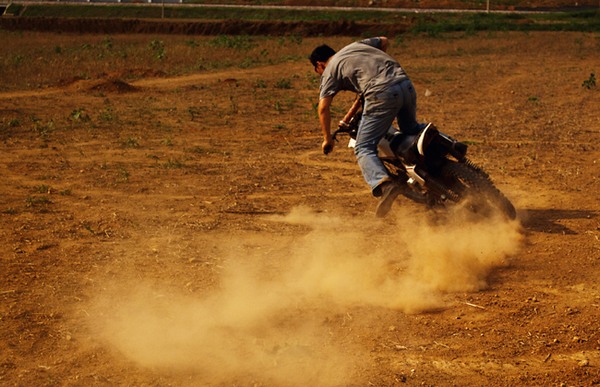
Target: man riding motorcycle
(387, 93)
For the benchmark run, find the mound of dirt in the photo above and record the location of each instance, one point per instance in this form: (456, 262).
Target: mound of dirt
(114, 86)
(133, 73)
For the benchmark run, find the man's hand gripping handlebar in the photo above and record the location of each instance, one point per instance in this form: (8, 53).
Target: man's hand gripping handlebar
(343, 127)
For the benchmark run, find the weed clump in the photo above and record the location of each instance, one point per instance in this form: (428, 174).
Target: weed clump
(590, 83)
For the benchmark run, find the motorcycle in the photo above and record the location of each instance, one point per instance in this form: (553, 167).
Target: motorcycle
(432, 169)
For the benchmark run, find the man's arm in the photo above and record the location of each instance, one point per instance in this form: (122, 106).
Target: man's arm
(380, 42)
(384, 43)
(352, 112)
(324, 111)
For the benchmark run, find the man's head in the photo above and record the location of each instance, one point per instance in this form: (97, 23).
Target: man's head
(320, 56)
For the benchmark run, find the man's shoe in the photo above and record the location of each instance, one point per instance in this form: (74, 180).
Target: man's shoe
(389, 191)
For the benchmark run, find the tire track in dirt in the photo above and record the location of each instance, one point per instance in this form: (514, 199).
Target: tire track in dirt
(226, 75)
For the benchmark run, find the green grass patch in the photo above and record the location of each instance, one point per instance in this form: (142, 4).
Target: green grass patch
(430, 23)
(202, 13)
(435, 24)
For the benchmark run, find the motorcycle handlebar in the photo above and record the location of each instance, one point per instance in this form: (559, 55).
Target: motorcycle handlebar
(340, 129)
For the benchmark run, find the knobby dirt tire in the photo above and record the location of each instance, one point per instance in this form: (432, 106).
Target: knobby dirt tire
(474, 184)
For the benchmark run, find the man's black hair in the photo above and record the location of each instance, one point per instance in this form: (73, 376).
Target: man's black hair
(321, 54)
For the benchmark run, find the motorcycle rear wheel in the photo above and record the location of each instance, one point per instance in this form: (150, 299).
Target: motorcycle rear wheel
(473, 185)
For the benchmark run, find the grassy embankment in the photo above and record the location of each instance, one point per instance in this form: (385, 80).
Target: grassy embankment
(432, 24)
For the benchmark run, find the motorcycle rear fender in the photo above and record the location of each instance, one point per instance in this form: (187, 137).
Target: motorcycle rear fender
(455, 148)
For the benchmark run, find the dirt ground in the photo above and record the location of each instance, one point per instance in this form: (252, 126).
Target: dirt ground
(188, 231)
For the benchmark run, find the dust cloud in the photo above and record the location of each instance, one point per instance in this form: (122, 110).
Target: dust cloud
(268, 317)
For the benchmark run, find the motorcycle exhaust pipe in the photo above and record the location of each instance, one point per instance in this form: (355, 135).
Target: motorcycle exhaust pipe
(455, 148)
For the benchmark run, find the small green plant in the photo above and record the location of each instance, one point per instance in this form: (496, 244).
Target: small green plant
(315, 107)
(284, 83)
(278, 107)
(37, 201)
(130, 142)
(43, 130)
(399, 41)
(590, 83)
(238, 42)
(194, 111)
(88, 227)
(18, 59)
(158, 47)
(107, 114)
(199, 150)
(42, 189)
(107, 43)
(167, 141)
(80, 115)
(122, 175)
(313, 78)
(260, 84)
(295, 38)
(247, 63)
(173, 164)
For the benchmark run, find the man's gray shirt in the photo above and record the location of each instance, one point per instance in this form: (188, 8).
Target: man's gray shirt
(361, 67)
